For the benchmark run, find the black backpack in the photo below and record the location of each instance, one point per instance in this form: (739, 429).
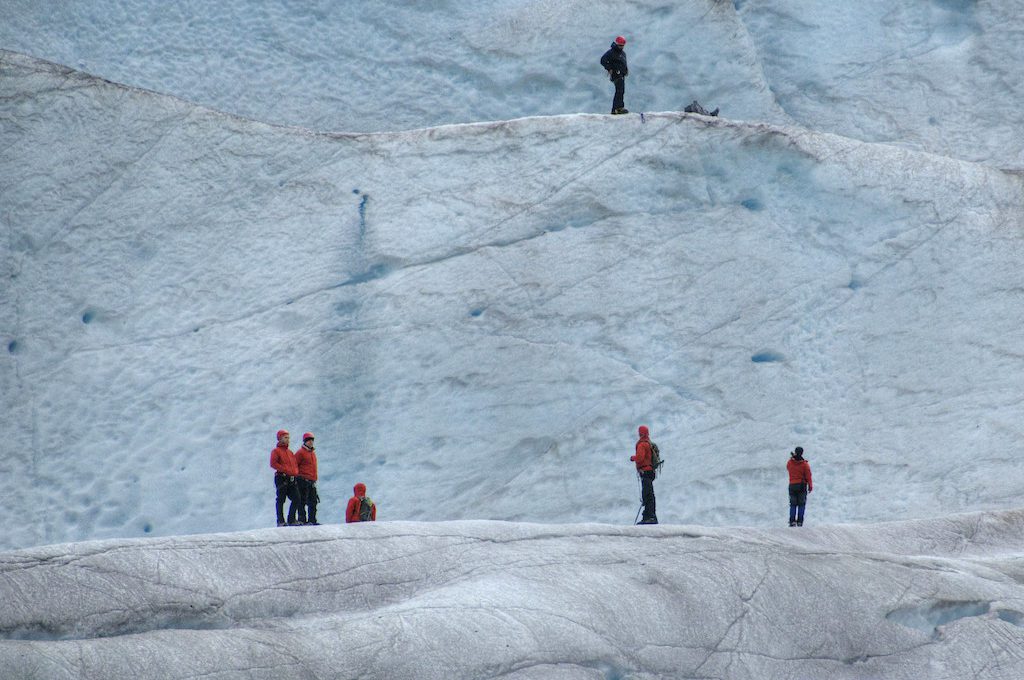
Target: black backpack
(695, 107)
(365, 509)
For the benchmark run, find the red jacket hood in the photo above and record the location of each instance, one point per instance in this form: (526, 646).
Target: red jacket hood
(644, 432)
(359, 489)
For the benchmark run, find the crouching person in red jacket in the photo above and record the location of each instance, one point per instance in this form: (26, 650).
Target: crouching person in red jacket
(360, 507)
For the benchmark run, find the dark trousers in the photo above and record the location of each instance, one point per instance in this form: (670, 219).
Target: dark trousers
(647, 494)
(797, 502)
(307, 499)
(286, 490)
(620, 93)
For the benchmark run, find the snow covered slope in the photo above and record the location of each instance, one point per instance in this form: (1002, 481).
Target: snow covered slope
(474, 319)
(353, 66)
(935, 75)
(941, 599)
(939, 75)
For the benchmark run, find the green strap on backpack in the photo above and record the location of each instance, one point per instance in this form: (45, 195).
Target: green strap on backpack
(656, 460)
(365, 509)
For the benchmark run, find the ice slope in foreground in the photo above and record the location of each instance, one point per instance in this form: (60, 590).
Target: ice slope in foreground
(941, 599)
(474, 319)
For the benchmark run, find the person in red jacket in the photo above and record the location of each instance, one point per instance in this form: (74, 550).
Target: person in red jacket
(283, 461)
(305, 482)
(644, 459)
(800, 484)
(360, 507)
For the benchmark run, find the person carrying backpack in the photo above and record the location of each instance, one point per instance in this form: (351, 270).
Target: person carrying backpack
(644, 459)
(800, 484)
(614, 62)
(360, 507)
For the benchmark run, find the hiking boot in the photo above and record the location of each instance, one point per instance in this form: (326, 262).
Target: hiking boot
(792, 523)
(799, 522)
(281, 524)
(618, 112)
(295, 524)
(649, 520)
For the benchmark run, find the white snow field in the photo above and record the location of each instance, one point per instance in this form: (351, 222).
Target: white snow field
(934, 75)
(941, 599)
(353, 66)
(474, 319)
(411, 229)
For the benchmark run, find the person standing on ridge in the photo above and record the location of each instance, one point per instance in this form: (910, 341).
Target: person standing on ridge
(614, 62)
(800, 484)
(283, 461)
(644, 459)
(360, 507)
(305, 461)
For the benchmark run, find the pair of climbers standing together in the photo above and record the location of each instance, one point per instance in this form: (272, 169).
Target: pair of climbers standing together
(295, 477)
(648, 462)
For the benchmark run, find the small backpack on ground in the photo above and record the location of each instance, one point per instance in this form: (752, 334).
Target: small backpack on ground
(695, 107)
(365, 509)
(656, 461)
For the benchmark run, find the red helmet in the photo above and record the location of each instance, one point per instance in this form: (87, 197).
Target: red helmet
(308, 435)
(281, 433)
(620, 41)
